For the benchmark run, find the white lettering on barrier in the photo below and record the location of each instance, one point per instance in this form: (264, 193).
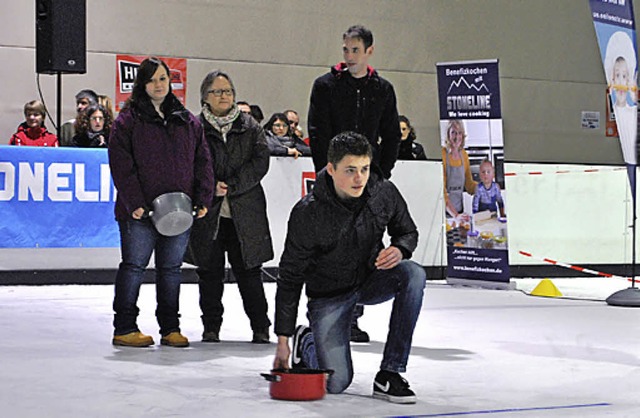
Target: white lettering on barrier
(81, 194)
(105, 183)
(31, 182)
(57, 182)
(9, 173)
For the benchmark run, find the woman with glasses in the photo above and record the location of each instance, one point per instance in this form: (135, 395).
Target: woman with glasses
(93, 127)
(237, 224)
(156, 147)
(409, 149)
(280, 140)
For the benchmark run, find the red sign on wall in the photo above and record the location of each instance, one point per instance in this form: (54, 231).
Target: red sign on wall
(308, 180)
(127, 68)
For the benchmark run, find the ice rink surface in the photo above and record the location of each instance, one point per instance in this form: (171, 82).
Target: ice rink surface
(476, 353)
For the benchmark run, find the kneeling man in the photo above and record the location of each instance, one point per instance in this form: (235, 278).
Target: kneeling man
(334, 247)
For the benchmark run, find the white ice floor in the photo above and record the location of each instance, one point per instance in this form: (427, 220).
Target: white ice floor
(476, 353)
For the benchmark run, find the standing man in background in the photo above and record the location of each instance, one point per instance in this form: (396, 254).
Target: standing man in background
(84, 99)
(353, 97)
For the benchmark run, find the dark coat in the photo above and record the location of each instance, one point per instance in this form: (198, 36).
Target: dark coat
(150, 156)
(331, 248)
(367, 106)
(241, 162)
(90, 140)
(411, 150)
(279, 145)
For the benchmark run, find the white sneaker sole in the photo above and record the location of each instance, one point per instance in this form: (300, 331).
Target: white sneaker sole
(395, 399)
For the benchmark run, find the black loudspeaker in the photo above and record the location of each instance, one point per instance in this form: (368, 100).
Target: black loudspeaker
(61, 40)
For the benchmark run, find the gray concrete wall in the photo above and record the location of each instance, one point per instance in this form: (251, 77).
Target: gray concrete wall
(549, 62)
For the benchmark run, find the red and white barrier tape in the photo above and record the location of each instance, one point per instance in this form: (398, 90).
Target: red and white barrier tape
(577, 268)
(539, 173)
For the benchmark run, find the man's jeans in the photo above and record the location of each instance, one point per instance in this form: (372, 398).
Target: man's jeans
(138, 239)
(330, 321)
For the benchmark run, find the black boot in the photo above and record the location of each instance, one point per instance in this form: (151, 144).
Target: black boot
(358, 335)
(261, 336)
(211, 334)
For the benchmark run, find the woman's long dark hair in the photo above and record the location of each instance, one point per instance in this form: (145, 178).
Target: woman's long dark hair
(147, 69)
(276, 117)
(412, 132)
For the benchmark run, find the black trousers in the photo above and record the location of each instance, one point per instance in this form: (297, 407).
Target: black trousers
(210, 282)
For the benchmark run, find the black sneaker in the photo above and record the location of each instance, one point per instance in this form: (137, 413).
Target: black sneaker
(391, 387)
(296, 351)
(358, 335)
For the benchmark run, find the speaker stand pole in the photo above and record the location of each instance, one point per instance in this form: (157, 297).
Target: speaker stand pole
(59, 104)
(631, 295)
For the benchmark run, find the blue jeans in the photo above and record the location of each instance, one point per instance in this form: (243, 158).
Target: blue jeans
(328, 347)
(138, 240)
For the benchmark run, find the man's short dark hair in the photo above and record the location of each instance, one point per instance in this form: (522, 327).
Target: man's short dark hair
(88, 94)
(348, 143)
(359, 32)
(256, 112)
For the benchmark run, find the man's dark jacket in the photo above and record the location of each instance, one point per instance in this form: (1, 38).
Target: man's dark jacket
(241, 162)
(367, 106)
(331, 247)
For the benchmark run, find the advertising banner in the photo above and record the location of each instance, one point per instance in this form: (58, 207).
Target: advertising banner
(615, 29)
(127, 68)
(473, 171)
(56, 198)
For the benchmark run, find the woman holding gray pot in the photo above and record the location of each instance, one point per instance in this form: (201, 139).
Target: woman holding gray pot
(237, 223)
(156, 147)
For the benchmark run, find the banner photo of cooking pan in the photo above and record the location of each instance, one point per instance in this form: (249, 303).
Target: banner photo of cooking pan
(473, 171)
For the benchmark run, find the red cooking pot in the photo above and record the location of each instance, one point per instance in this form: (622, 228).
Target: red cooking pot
(297, 384)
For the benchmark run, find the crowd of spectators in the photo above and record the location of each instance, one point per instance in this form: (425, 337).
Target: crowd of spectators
(91, 127)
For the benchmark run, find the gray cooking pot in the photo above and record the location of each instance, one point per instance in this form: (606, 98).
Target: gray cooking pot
(172, 213)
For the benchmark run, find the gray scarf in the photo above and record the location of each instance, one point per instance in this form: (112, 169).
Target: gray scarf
(221, 123)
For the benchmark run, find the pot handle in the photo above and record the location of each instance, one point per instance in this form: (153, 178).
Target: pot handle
(271, 377)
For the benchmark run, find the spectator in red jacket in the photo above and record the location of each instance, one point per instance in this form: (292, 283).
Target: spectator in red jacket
(32, 131)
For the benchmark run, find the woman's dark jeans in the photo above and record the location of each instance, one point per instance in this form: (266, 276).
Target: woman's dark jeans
(249, 281)
(138, 239)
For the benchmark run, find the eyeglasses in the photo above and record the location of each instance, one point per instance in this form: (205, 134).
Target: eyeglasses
(280, 125)
(97, 118)
(220, 92)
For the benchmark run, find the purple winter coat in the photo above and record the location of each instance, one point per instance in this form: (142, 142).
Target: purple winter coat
(149, 156)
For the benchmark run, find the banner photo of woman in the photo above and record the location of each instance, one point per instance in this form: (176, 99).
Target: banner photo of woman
(473, 172)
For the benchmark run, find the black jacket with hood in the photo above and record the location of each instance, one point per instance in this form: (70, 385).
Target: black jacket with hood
(331, 247)
(340, 102)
